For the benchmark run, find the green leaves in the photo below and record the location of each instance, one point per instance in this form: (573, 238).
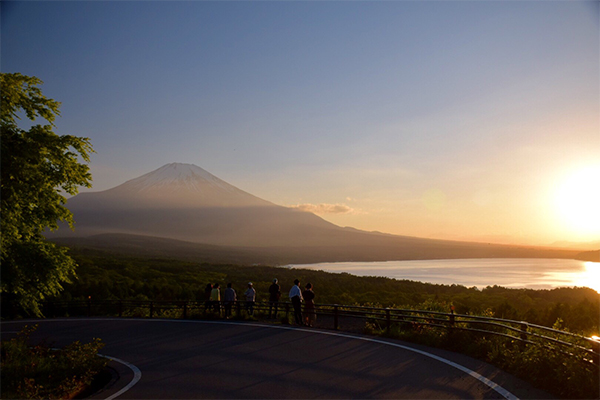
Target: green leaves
(35, 269)
(38, 168)
(20, 92)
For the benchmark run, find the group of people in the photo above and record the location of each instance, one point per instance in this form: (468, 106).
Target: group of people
(297, 296)
(308, 296)
(212, 293)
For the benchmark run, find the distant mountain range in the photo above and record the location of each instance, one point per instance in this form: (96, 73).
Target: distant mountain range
(183, 211)
(577, 245)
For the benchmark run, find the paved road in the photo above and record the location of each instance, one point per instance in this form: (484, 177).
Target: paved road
(203, 359)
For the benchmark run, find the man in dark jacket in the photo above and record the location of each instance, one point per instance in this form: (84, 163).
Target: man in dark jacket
(229, 298)
(274, 295)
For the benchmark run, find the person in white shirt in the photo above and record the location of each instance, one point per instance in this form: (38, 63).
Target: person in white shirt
(296, 299)
(250, 298)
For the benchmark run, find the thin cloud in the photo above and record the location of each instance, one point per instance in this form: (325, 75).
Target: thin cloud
(324, 208)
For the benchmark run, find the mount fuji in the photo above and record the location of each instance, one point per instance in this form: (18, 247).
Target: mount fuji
(185, 202)
(179, 207)
(177, 186)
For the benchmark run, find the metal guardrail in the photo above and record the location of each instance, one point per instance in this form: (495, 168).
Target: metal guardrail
(583, 348)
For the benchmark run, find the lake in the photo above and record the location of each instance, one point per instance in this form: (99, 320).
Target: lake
(530, 273)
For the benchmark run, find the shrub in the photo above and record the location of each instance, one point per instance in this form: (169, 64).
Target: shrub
(40, 372)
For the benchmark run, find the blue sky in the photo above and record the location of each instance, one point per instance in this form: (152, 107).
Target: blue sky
(434, 119)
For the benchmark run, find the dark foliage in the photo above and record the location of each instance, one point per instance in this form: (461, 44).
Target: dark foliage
(104, 277)
(40, 372)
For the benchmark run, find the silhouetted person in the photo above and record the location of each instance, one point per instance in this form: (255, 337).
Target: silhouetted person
(296, 298)
(215, 298)
(207, 291)
(229, 297)
(310, 315)
(274, 295)
(250, 298)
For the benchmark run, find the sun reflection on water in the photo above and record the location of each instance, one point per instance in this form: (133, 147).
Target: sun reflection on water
(590, 276)
(511, 273)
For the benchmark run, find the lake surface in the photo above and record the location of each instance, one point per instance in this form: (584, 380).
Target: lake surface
(533, 273)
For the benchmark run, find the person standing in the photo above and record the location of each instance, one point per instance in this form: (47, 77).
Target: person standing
(229, 298)
(274, 295)
(296, 299)
(310, 315)
(250, 298)
(207, 293)
(215, 298)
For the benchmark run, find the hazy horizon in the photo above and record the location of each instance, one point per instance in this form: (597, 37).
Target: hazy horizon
(475, 121)
(185, 200)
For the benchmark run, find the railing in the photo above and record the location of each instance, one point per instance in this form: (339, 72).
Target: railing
(345, 317)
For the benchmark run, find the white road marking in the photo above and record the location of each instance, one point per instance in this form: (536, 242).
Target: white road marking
(499, 389)
(137, 375)
(494, 386)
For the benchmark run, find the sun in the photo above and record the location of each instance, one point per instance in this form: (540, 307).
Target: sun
(578, 201)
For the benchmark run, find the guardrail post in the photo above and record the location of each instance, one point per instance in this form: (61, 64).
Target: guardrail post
(185, 310)
(596, 349)
(89, 306)
(452, 317)
(151, 308)
(120, 308)
(523, 335)
(388, 319)
(335, 317)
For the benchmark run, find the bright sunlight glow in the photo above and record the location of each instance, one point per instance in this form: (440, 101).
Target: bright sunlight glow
(578, 201)
(590, 277)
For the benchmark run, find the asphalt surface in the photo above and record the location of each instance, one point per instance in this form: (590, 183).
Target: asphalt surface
(202, 359)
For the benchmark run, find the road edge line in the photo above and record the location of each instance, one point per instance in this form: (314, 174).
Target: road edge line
(137, 375)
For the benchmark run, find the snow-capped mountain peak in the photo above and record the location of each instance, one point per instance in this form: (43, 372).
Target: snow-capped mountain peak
(185, 176)
(183, 185)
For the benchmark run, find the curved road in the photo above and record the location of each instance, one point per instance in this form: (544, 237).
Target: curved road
(219, 359)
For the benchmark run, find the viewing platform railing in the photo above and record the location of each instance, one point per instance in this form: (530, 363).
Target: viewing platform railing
(345, 317)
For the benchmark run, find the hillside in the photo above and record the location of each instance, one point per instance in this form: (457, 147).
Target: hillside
(377, 250)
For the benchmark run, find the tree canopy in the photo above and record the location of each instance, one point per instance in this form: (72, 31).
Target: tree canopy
(39, 167)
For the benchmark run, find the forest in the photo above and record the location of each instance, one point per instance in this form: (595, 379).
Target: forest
(105, 276)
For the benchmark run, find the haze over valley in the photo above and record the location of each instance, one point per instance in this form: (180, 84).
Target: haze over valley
(184, 211)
